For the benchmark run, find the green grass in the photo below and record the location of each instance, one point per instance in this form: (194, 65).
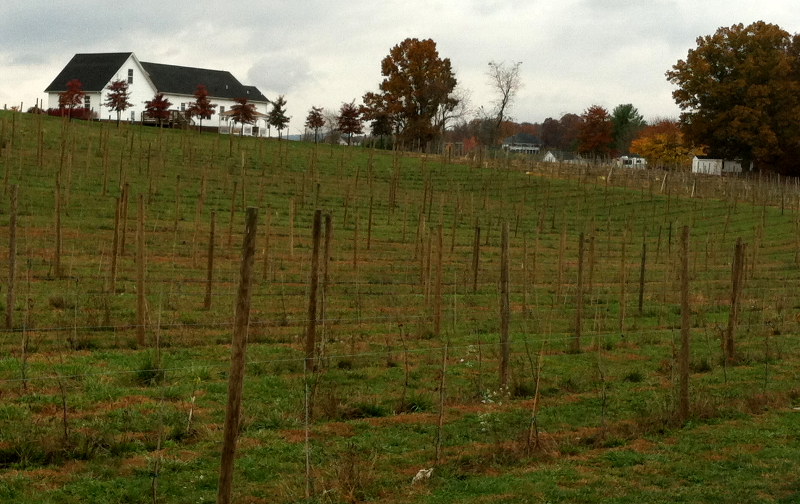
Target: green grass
(607, 422)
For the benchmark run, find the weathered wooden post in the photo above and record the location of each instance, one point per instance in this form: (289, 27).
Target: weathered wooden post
(736, 290)
(210, 268)
(685, 326)
(311, 332)
(140, 273)
(505, 308)
(476, 251)
(238, 350)
(576, 341)
(12, 257)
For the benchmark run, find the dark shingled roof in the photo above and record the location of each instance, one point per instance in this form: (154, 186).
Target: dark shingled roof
(96, 70)
(93, 70)
(175, 79)
(522, 138)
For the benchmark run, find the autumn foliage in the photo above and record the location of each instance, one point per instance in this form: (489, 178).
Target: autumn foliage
(595, 132)
(201, 107)
(739, 91)
(117, 98)
(417, 83)
(72, 97)
(662, 144)
(157, 108)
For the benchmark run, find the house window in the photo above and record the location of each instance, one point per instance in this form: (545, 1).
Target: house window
(183, 107)
(130, 76)
(221, 109)
(87, 102)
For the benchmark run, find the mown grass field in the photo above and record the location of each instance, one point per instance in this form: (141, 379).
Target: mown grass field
(88, 415)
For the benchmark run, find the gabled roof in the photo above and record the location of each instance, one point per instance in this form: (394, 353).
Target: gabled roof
(522, 138)
(94, 71)
(183, 80)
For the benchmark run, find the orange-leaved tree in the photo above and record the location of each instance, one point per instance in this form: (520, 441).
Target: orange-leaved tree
(243, 113)
(201, 107)
(595, 133)
(416, 84)
(157, 108)
(117, 98)
(739, 92)
(72, 97)
(662, 144)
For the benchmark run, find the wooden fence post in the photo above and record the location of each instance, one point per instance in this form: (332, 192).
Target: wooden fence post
(505, 308)
(112, 287)
(238, 350)
(140, 273)
(210, 269)
(476, 251)
(267, 231)
(57, 255)
(642, 273)
(311, 333)
(736, 289)
(576, 341)
(685, 326)
(437, 321)
(12, 257)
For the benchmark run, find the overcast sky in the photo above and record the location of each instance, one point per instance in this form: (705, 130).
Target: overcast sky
(574, 53)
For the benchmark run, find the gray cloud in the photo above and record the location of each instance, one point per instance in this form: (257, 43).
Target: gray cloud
(574, 53)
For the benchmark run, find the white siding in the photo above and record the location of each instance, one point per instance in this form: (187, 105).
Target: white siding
(141, 90)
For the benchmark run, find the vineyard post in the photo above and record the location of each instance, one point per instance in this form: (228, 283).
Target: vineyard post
(505, 309)
(576, 341)
(311, 332)
(369, 224)
(232, 214)
(123, 218)
(140, 273)
(115, 249)
(57, 257)
(238, 350)
(355, 242)
(266, 245)
(685, 326)
(291, 228)
(476, 250)
(642, 272)
(437, 321)
(210, 268)
(736, 288)
(623, 283)
(12, 257)
(177, 202)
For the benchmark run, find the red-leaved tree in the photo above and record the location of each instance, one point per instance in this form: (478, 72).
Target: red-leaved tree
(201, 107)
(243, 113)
(117, 98)
(157, 108)
(349, 120)
(72, 97)
(595, 133)
(315, 120)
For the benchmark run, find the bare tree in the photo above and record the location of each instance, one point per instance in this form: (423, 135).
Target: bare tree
(504, 80)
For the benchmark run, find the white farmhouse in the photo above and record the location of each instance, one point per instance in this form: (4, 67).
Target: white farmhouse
(178, 84)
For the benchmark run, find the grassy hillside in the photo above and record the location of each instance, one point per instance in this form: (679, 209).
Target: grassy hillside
(87, 414)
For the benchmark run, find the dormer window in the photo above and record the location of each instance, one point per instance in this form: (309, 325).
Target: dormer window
(130, 76)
